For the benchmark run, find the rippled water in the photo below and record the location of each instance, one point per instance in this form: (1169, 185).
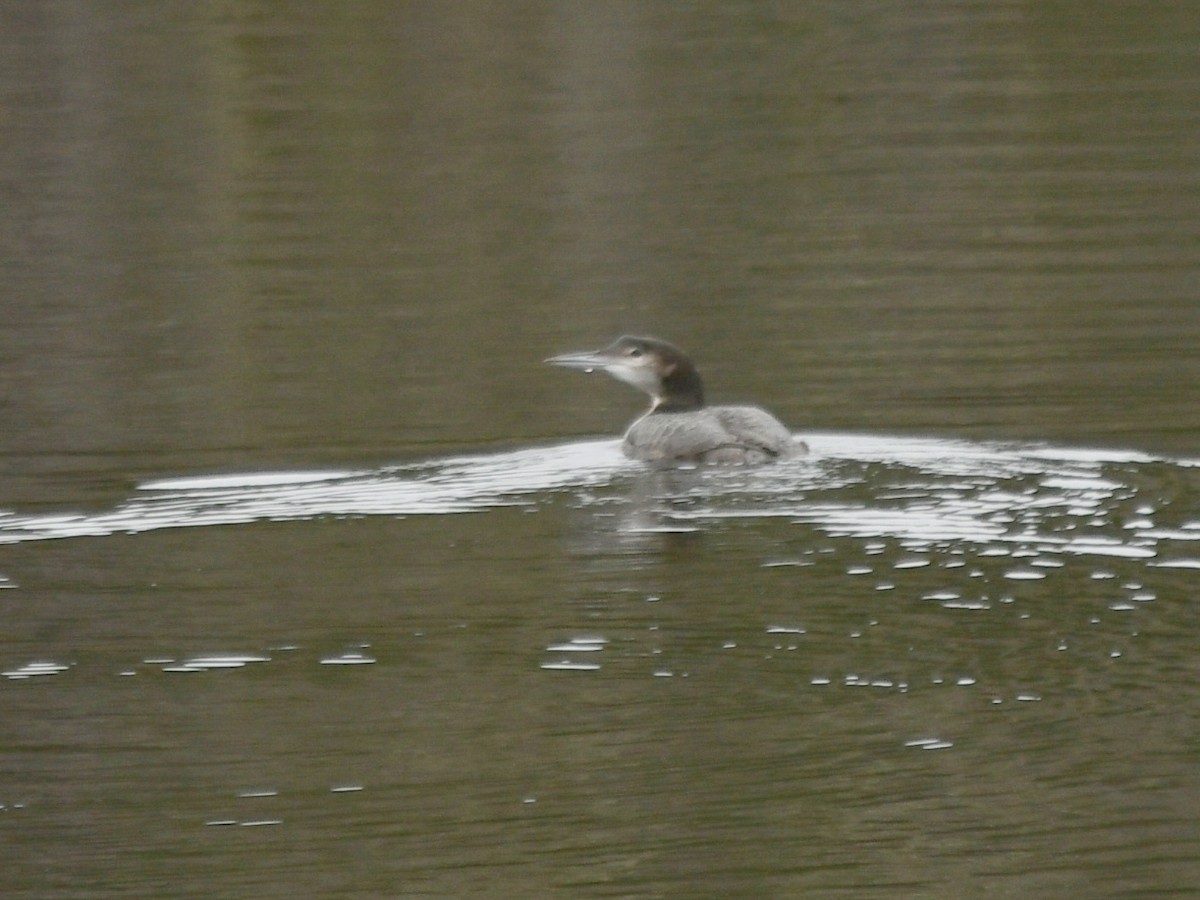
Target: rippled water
(940, 650)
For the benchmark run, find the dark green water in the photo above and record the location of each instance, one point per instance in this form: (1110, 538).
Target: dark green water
(955, 244)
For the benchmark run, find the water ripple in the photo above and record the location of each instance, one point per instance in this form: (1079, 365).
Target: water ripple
(924, 492)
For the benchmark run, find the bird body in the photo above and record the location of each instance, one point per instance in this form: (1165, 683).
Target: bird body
(715, 434)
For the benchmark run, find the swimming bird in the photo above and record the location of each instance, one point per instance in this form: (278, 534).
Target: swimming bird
(679, 427)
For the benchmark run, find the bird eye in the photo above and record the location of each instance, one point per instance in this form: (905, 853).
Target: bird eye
(635, 352)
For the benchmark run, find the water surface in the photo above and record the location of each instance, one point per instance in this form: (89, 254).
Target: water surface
(314, 579)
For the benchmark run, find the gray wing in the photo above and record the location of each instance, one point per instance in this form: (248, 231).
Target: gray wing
(756, 428)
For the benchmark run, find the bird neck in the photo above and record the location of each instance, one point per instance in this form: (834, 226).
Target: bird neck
(682, 390)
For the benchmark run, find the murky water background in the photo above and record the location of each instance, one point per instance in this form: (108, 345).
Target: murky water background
(315, 581)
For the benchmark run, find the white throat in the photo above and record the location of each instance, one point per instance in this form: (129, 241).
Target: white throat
(642, 378)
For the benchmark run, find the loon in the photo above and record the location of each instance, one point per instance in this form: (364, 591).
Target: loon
(679, 428)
